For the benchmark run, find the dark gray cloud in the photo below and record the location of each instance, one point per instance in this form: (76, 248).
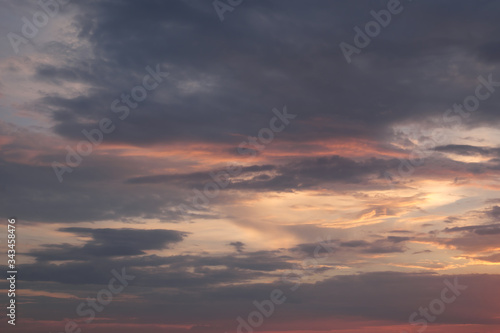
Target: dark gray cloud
(423, 251)
(228, 81)
(109, 242)
(356, 243)
(103, 188)
(467, 150)
(490, 229)
(179, 271)
(396, 239)
(222, 88)
(387, 296)
(313, 250)
(494, 212)
(194, 179)
(471, 238)
(385, 246)
(400, 231)
(452, 219)
(300, 174)
(491, 258)
(238, 246)
(93, 192)
(321, 172)
(391, 244)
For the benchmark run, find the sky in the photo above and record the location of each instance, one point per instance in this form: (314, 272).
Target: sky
(194, 166)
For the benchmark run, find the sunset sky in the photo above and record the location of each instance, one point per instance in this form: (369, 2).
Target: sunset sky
(343, 155)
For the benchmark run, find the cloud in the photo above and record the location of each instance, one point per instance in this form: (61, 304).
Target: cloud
(179, 271)
(387, 245)
(467, 150)
(205, 88)
(491, 258)
(494, 212)
(384, 296)
(396, 239)
(295, 175)
(490, 229)
(224, 81)
(196, 178)
(239, 246)
(109, 242)
(471, 238)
